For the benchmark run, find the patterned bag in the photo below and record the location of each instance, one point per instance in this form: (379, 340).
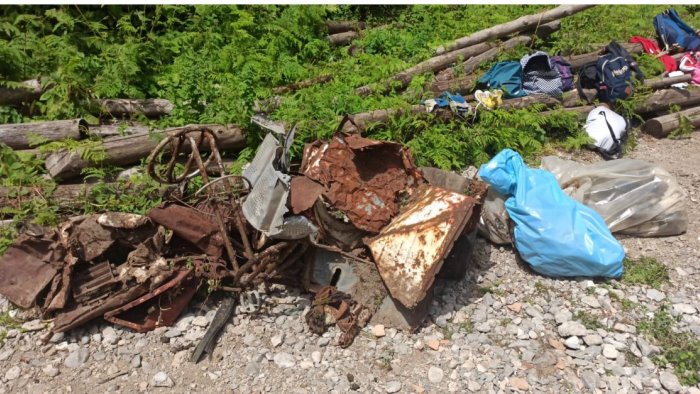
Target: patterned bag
(539, 77)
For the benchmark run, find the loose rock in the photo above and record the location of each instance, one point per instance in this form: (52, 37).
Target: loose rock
(435, 375)
(161, 379)
(393, 387)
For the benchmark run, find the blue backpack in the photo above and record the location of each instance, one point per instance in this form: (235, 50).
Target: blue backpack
(673, 31)
(507, 76)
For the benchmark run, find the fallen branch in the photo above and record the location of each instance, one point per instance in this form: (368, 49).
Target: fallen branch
(115, 130)
(16, 135)
(130, 149)
(662, 126)
(518, 25)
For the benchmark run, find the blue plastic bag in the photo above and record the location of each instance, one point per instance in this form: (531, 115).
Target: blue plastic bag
(555, 234)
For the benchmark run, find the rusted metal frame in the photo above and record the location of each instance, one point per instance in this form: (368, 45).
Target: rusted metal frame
(260, 260)
(290, 260)
(267, 260)
(219, 221)
(178, 139)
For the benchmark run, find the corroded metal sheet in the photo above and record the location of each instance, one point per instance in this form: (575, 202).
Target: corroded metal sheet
(27, 267)
(364, 179)
(410, 250)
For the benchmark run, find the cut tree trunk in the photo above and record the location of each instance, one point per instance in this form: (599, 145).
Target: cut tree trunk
(434, 64)
(582, 111)
(16, 135)
(335, 27)
(518, 25)
(662, 126)
(661, 83)
(462, 85)
(132, 148)
(125, 108)
(321, 79)
(365, 119)
(577, 61)
(117, 130)
(527, 101)
(661, 100)
(31, 92)
(340, 39)
(471, 64)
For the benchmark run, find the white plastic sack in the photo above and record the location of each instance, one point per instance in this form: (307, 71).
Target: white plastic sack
(597, 128)
(634, 197)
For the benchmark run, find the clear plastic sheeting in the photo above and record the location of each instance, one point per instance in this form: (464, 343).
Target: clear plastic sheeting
(493, 223)
(634, 197)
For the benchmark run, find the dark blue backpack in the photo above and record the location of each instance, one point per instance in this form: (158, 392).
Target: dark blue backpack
(673, 31)
(507, 76)
(614, 78)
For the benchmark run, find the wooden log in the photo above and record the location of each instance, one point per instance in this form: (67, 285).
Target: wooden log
(662, 126)
(581, 111)
(462, 85)
(518, 25)
(577, 61)
(662, 83)
(364, 119)
(335, 27)
(116, 130)
(340, 39)
(130, 149)
(16, 136)
(661, 100)
(433, 64)
(319, 80)
(151, 108)
(527, 101)
(471, 64)
(29, 92)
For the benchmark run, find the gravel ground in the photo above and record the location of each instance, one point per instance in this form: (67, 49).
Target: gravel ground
(501, 329)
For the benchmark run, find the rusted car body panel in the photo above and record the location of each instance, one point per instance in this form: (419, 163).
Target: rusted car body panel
(410, 250)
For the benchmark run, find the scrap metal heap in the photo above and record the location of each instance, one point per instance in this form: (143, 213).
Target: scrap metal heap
(358, 225)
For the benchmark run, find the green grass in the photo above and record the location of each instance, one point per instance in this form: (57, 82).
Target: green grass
(645, 271)
(679, 349)
(6, 321)
(588, 320)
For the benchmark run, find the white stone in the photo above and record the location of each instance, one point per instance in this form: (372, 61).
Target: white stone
(316, 357)
(655, 295)
(670, 382)
(571, 328)
(684, 308)
(200, 321)
(277, 340)
(50, 371)
(435, 375)
(12, 373)
(34, 325)
(393, 387)
(610, 352)
(284, 360)
(592, 340)
(572, 343)
(161, 379)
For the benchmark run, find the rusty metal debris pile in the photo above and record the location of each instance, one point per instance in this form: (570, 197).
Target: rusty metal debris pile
(356, 223)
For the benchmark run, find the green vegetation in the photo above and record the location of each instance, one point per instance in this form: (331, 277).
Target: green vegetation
(679, 349)
(645, 271)
(589, 321)
(214, 62)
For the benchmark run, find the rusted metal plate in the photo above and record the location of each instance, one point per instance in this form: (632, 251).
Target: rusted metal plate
(26, 269)
(410, 250)
(363, 178)
(161, 307)
(303, 193)
(190, 225)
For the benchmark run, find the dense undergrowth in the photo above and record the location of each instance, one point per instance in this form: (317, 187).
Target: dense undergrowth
(215, 62)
